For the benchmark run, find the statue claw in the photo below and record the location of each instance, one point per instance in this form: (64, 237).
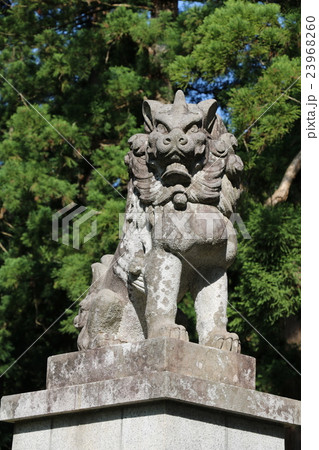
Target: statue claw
(225, 341)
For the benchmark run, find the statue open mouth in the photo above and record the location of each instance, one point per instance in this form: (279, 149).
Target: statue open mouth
(176, 173)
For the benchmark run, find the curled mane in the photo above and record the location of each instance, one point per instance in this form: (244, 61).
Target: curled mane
(216, 183)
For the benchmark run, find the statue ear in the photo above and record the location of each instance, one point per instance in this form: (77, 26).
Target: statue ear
(209, 108)
(149, 108)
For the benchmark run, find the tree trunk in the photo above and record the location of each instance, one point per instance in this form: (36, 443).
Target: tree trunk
(281, 194)
(165, 5)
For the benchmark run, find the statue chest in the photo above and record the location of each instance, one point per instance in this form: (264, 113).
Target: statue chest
(180, 230)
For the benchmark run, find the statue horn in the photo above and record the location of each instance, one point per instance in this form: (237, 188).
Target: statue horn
(179, 102)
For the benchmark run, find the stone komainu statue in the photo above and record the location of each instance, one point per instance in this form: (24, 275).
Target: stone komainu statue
(177, 236)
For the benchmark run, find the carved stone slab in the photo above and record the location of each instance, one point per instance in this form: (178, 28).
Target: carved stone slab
(153, 355)
(157, 394)
(148, 388)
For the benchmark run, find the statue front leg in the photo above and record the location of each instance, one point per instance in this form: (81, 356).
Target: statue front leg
(211, 297)
(162, 282)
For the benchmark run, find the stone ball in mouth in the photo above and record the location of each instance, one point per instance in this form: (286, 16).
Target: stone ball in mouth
(176, 173)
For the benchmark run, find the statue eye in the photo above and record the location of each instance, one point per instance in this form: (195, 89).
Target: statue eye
(161, 128)
(194, 129)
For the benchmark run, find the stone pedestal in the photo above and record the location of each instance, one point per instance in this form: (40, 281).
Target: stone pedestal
(156, 394)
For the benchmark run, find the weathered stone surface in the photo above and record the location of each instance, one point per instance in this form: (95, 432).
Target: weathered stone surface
(147, 387)
(161, 425)
(157, 394)
(177, 236)
(152, 355)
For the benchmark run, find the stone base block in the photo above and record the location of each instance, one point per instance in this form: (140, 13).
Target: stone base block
(159, 394)
(151, 355)
(162, 425)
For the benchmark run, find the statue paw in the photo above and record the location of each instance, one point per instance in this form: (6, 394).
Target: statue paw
(225, 341)
(170, 331)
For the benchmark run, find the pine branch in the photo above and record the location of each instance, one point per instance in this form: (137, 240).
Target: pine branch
(281, 194)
